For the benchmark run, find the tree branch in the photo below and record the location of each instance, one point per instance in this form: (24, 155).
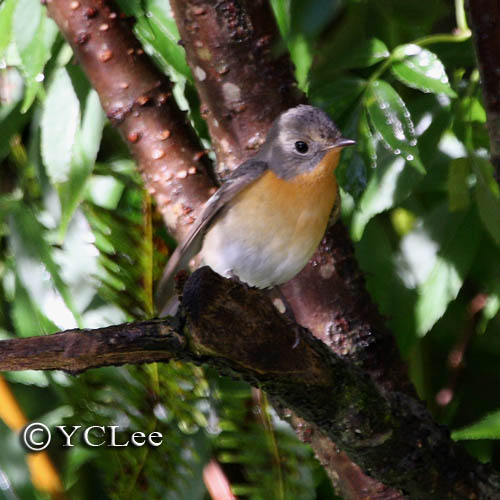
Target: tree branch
(485, 23)
(245, 79)
(137, 99)
(238, 331)
(77, 350)
(117, 68)
(329, 296)
(242, 71)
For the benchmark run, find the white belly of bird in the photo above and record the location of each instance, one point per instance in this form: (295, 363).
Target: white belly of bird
(266, 240)
(259, 258)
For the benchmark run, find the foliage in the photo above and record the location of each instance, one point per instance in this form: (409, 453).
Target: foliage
(81, 244)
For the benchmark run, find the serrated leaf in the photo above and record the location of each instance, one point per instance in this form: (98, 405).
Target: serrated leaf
(486, 428)
(34, 34)
(458, 189)
(390, 183)
(421, 69)
(60, 121)
(487, 200)
(31, 250)
(379, 260)
(364, 55)
(458, 237)
(352, 172)
(27, 318)
(88, 139)
(157, 31)
(392, 121)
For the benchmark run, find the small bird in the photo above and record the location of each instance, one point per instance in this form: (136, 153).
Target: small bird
(265, 222)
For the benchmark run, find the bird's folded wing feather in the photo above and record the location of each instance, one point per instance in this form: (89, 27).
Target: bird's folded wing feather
(243, 176)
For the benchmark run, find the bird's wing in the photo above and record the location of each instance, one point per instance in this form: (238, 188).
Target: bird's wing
(247, 173)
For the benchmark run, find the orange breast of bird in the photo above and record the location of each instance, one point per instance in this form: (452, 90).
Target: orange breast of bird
(273, 227)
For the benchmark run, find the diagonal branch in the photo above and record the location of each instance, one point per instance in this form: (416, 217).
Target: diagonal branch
(138, 100)
(126, 82)
(238, 331)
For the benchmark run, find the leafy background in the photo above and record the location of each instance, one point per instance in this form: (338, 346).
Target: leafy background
(81, 244)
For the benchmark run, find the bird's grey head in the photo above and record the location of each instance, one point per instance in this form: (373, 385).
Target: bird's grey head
(298, 140)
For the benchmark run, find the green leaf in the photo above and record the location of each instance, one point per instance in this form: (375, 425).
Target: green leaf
(486, 428)
(379, 260)
(105, 191)
(6, 15)
(337, 97)
(453, 240)
(31, 250)
(88, 139)
(157, 31)
(352, 175)
(27, 18)
(367, 53)
(310, 18)
(302, 56)
(11, 118)
(392, 121)
(389, 184)
(60, 120)
(367, 142)
(472, 109)
(458, 188)
(34, 34)
(352, 171)
(487, 198)
(281, 10)
(421, 69)
(490, 310)
(27, 318)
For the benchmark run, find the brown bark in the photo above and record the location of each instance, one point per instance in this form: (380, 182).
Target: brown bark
(243, 36)
(76, 350)
(242, 71)
(485, 23)
(137, 99)
(329, 296)
(238, 331)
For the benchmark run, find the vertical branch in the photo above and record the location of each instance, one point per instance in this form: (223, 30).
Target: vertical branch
(242, 72)
(485, 23)
(245, 79)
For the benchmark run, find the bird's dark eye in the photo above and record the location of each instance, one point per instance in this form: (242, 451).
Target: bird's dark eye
(301, 147)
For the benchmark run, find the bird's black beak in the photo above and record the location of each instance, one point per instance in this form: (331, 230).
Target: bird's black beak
(342, 142)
